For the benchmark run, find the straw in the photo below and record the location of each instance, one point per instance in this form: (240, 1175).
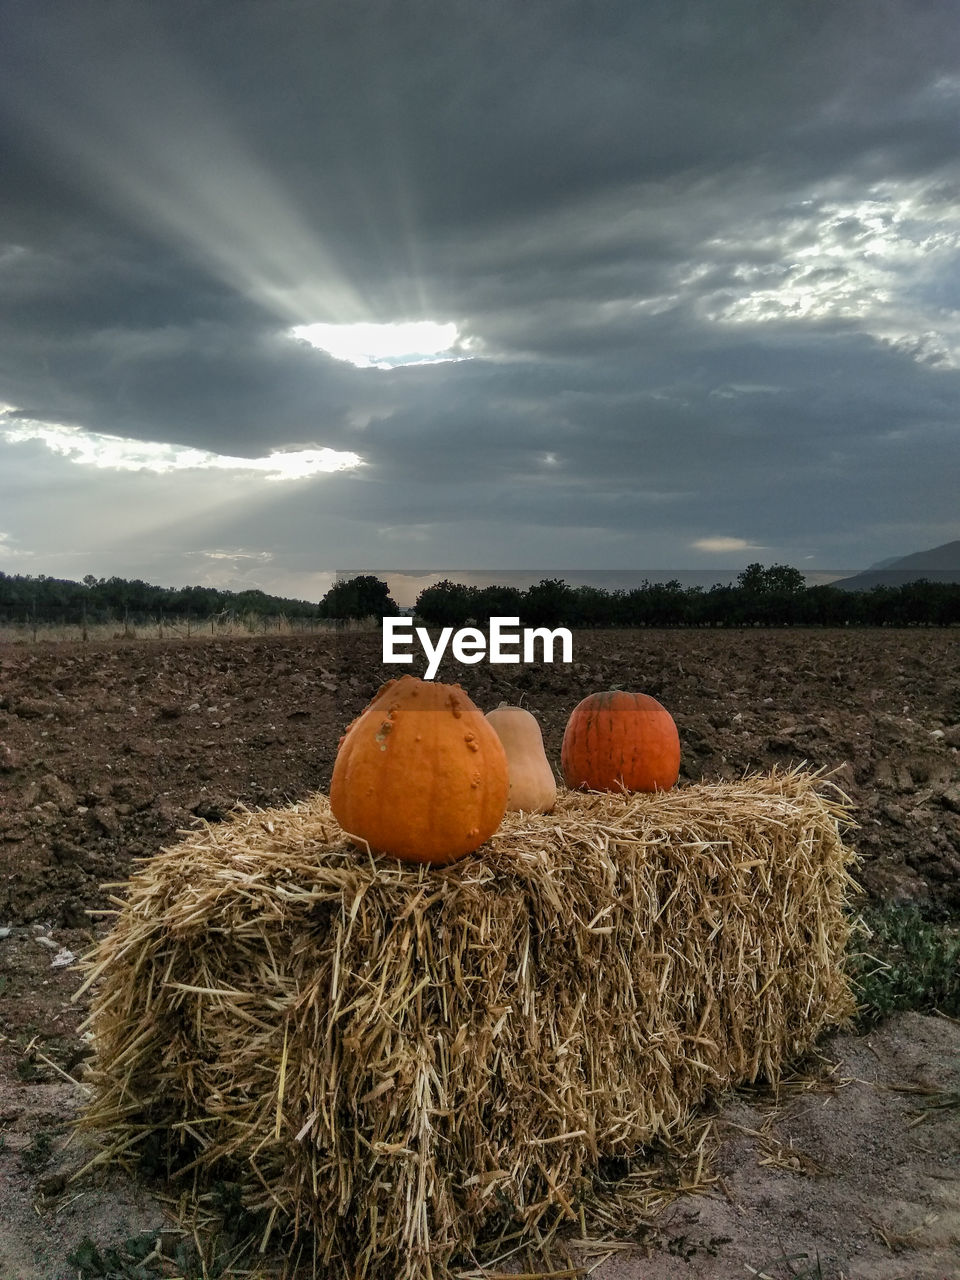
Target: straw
(395, 1060)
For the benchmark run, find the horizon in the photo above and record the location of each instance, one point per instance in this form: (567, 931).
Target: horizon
(405, 585)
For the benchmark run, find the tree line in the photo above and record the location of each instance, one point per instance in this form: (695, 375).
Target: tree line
(42, 599)
(774, 596)
(25, 598)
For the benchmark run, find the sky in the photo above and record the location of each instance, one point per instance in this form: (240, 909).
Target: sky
(289, 287)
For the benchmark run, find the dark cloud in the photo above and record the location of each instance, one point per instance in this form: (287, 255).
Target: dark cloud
(705, 254)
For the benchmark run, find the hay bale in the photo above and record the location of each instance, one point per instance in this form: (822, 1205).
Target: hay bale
(393, 1057)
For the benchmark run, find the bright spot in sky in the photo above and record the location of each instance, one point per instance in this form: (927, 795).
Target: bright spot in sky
(383, 346)
(117, 453)
(721, 545)
(831, 260)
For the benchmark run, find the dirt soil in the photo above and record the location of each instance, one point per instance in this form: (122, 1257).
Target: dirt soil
(106, 751)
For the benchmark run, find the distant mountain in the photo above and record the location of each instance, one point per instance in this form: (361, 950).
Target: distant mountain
(939, 564)
(886, 564)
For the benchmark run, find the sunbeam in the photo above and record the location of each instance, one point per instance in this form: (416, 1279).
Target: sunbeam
(135, 125)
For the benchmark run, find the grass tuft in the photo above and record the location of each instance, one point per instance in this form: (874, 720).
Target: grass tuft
(906, 962)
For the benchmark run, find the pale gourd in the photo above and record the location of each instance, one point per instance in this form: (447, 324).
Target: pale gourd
(533, 787)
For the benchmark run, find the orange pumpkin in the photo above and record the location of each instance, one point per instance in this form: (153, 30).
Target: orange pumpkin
(420, 774)
(617, 740)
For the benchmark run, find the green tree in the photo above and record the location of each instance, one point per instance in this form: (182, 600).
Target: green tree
(446, 604)
(362, 597)
(756, 580)
(550, 603)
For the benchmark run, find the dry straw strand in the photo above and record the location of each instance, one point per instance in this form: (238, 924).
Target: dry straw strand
(396, 1061)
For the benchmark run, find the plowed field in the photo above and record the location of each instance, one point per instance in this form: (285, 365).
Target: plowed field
(106, 751)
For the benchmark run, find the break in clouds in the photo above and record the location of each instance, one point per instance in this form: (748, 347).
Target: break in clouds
(291, 287)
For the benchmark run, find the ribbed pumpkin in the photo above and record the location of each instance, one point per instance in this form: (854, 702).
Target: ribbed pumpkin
(420, 774)
(617, 740)
(533, 787)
